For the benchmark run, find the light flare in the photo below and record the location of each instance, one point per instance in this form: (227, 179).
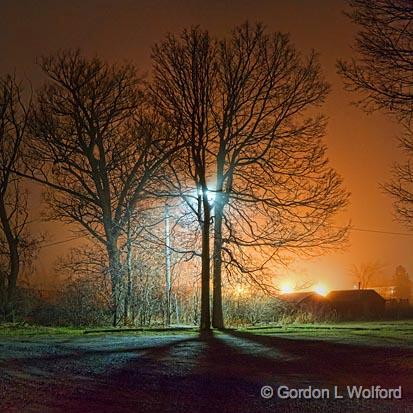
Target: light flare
(286, 287)
(321, 289)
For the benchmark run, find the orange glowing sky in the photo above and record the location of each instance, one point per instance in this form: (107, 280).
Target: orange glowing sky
(361, 147)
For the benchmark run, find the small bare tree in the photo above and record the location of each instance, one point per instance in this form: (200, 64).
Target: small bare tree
(402, 283)
(16, 244)
(367, 274)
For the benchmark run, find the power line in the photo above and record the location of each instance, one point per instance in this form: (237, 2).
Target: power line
(64, 241)
(29, 222)
(376, 231)
(33, 220)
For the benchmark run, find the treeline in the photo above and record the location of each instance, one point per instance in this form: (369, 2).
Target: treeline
(83, 303)
(204, 175)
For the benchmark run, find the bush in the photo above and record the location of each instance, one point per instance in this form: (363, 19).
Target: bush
(80, 303)
(261, 309)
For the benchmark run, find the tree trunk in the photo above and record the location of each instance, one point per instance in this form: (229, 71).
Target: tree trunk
(219, 204)
(12, 281)
(217, 312)
(114, 271)
(14, 262)
(128, 294)
(167, 269)
(3, 276)
(177, 312)
(205, 274)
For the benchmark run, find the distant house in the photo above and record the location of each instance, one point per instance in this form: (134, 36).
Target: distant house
(306, 300)
(355, 304)
(387, 292)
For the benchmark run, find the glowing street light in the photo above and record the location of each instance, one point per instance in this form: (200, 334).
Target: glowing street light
(196, 194)
(210, 194)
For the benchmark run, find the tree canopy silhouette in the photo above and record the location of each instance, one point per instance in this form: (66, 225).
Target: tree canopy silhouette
(97, 147)
(245, 107)
(382, 73)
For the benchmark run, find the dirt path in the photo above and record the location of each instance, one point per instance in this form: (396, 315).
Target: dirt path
(221, 373)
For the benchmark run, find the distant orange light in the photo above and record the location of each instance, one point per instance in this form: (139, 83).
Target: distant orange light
(240, 290)
(321, 289)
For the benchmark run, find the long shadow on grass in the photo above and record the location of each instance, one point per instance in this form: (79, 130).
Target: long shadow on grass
(215, 373)
(224, 373)
(336, 362)
(204, 374)
(74, 352)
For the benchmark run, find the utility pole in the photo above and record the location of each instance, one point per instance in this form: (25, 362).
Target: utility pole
(167, 268)
(128, 295)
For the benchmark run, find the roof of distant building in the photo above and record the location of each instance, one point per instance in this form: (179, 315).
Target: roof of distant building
(352, 295)
(299, 297)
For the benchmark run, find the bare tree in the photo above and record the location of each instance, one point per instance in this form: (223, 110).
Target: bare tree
(401, 187)
(184, 73)
(15, 241)
(367, 274)
(382, 69)
(257, 161)
(402, 283)
(381, 73)
(86, 283)
(274, 188)
(96, 147)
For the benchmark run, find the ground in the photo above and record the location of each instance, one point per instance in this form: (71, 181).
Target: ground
(222, 372)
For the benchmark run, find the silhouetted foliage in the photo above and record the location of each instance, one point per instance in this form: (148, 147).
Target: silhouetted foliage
(245, 108)
(96, 146)
(17, 245)
(402, 283)
(367, 274)
(381, 73)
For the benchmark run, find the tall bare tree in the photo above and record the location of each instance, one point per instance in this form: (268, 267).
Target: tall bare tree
(184, 76)
(96, 147)
(15, 241)
(263, 177)
(274, 188)
(382, 73)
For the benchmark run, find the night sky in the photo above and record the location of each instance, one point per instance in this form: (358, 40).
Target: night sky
(361, 147)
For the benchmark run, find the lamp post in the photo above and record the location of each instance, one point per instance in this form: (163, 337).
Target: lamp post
(167, 267)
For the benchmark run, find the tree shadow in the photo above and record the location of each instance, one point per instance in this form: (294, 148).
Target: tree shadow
(214, 372)
(339, 363)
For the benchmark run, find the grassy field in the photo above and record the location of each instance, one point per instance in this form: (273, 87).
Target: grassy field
(29, 330)
(63, 369)
(22, 330)
(375, 333)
